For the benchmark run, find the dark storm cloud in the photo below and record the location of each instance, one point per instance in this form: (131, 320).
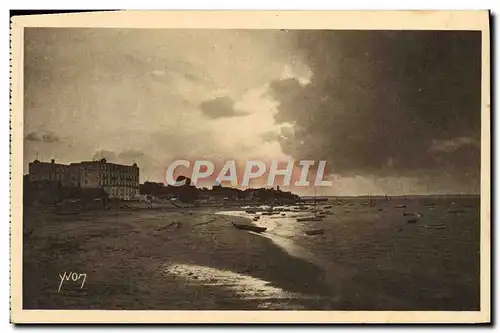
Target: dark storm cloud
(380, 102)
(47, 137)
(220, 107)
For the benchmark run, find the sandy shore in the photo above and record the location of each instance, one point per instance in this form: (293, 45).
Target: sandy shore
(368, 258)
(151, 260)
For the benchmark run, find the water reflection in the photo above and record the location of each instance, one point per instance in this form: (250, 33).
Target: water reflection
(244, 286)
(282, 231)
(288, 234)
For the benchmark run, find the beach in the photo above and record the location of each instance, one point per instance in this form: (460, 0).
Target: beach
(369, 257)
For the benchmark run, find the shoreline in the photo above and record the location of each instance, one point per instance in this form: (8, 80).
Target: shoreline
(105, 251)
(368, 259)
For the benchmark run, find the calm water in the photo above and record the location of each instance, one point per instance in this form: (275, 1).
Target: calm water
(430, 264)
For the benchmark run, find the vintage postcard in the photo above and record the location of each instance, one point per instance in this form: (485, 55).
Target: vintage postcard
(250, 167)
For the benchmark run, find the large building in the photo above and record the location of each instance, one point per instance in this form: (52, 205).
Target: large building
(119, 181)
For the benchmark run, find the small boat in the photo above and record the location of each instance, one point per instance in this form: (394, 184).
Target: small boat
(400, 206)
(256, 218)
(414, 214)
(249, 227)
(309, 218)
(251, 211)
(314, 232)
(435, 226)
(415, 220)
(283, 214)
(76, 212)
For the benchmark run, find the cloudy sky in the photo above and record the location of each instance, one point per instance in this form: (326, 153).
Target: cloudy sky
(390, 111)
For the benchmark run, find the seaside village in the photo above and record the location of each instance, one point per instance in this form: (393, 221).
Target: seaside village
(99, 183)
(68, 189)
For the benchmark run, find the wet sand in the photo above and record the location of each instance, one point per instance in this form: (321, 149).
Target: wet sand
(368, 258)
(160, 260)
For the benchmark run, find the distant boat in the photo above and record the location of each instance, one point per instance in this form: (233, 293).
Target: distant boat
(372, 203)
(251, 211)
(256, 218)
(318, 216)
(249, 227)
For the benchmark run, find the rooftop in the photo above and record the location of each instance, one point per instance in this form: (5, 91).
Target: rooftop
(103, 160)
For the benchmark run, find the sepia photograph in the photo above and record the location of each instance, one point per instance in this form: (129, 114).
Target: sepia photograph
(250, 167)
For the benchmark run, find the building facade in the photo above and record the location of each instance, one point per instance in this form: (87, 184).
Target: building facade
(49, 171)
(119, 181)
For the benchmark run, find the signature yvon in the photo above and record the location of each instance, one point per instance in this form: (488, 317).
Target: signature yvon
(74, 277)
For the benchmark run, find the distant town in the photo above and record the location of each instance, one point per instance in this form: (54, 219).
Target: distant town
(51, 182)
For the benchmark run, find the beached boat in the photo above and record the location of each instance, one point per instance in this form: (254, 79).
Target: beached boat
(249, 227)
(309, 218)
(435, 226)
(74, 212)
(414, 214)
(314, 232)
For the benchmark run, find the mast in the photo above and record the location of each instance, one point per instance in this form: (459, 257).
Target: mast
(315, 199)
